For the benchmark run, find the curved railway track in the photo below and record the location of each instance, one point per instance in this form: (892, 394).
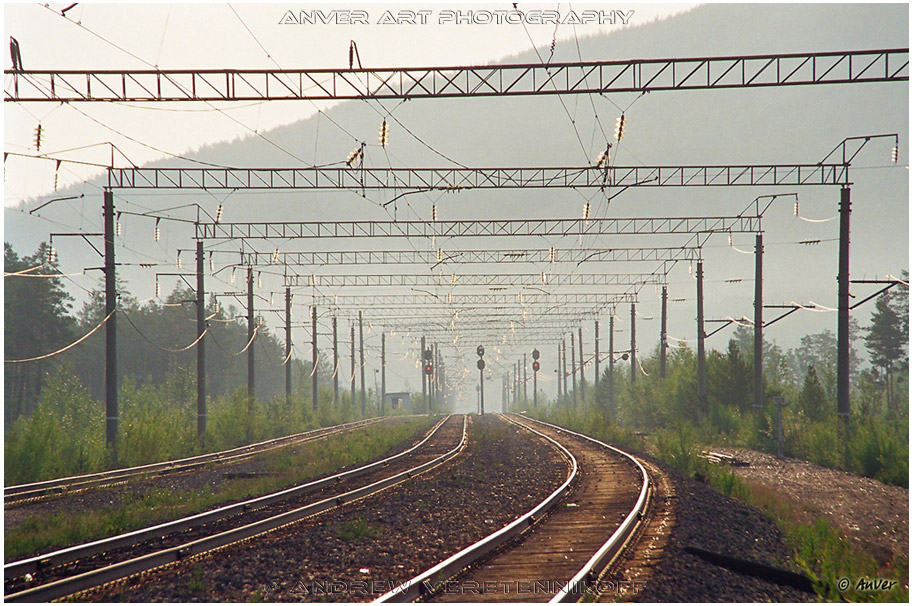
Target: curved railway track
(556, 551)
(67, 571)
(35, 491)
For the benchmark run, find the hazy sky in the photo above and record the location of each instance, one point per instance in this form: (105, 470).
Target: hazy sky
(185, 35)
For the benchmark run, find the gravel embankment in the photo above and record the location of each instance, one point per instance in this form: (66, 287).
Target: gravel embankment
(386, 538)
(713, 522)
(871, 514)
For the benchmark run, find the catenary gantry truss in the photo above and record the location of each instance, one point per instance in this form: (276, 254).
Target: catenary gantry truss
(540, 279)
(445, 255)
(360, 179)
(463, 299)
(639, 75)
(474, 228)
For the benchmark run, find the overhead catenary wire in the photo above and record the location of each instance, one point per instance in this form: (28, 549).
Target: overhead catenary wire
(68, 347)
(156, 345)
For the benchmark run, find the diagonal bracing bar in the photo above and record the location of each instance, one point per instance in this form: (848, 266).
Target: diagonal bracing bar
(634, 75)
(456, 179)
(496, 227)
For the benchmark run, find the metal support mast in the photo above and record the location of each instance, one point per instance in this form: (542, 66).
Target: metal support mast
(288, 357)
(362, 362)
(201, 352)
(111, 411)
(702, 391)
(663, 339)
(336, 364)
(383, 371)
(314, 358)
(250, 339)
(633, 354)
(757, 361)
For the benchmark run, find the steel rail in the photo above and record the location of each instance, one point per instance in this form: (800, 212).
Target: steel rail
(88, 580)
(425, 582)
(60, 485)
(575, 588)
(69, 554)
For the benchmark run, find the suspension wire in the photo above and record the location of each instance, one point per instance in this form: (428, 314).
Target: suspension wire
(70, 346)
(165, 349)
(23, 271)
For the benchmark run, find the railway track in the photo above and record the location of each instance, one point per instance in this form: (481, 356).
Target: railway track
(37, 491)
(557, 550)
(67, 571)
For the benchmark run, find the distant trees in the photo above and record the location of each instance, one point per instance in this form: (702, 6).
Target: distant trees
(887, 337)
(36, 322)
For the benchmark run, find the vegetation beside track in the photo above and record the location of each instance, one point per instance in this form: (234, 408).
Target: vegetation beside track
(820, 550)
(286, 467)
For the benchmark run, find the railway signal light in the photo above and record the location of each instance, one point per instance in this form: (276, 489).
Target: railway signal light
(620, 127)
(536, 366)
(480, 351)
(428, 368)
(536, 354)
(427, 354)
(480, 364)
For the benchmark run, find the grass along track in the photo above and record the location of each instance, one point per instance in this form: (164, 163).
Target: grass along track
(142, 505)
(203, 540)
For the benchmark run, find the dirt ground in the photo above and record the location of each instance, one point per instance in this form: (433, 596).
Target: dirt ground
(871, 514)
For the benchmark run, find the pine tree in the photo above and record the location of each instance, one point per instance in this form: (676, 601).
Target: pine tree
(813, 399)
(885, 341)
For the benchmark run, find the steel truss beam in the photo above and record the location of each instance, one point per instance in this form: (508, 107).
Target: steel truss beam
(636, 75)
(454, 300)
(434, 257)
(548, 279)
(472, 228)
(455, 179)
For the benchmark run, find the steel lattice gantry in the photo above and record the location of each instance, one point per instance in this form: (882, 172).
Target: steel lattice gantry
(443, 256)
(495, 227)
(360, 179)
(540, 279)
(637, 75)
(463, 299)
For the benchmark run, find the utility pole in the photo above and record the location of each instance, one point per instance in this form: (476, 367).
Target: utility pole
(634, 359)
(581, 357)
(111, 412)
(702, 394)
(422, 373)
(612, 365)
(844, 343)
(564, 371)
(250, 339)
(201, 352)
(352, 363)
(504, 393)
(757, 366)
(574, 374)
(336, 365)
(558, 378)
(525, 381)
(314, 358)
(663, 301)
(383, 373)
(596, 354)
(362, 362)
(288, 346)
